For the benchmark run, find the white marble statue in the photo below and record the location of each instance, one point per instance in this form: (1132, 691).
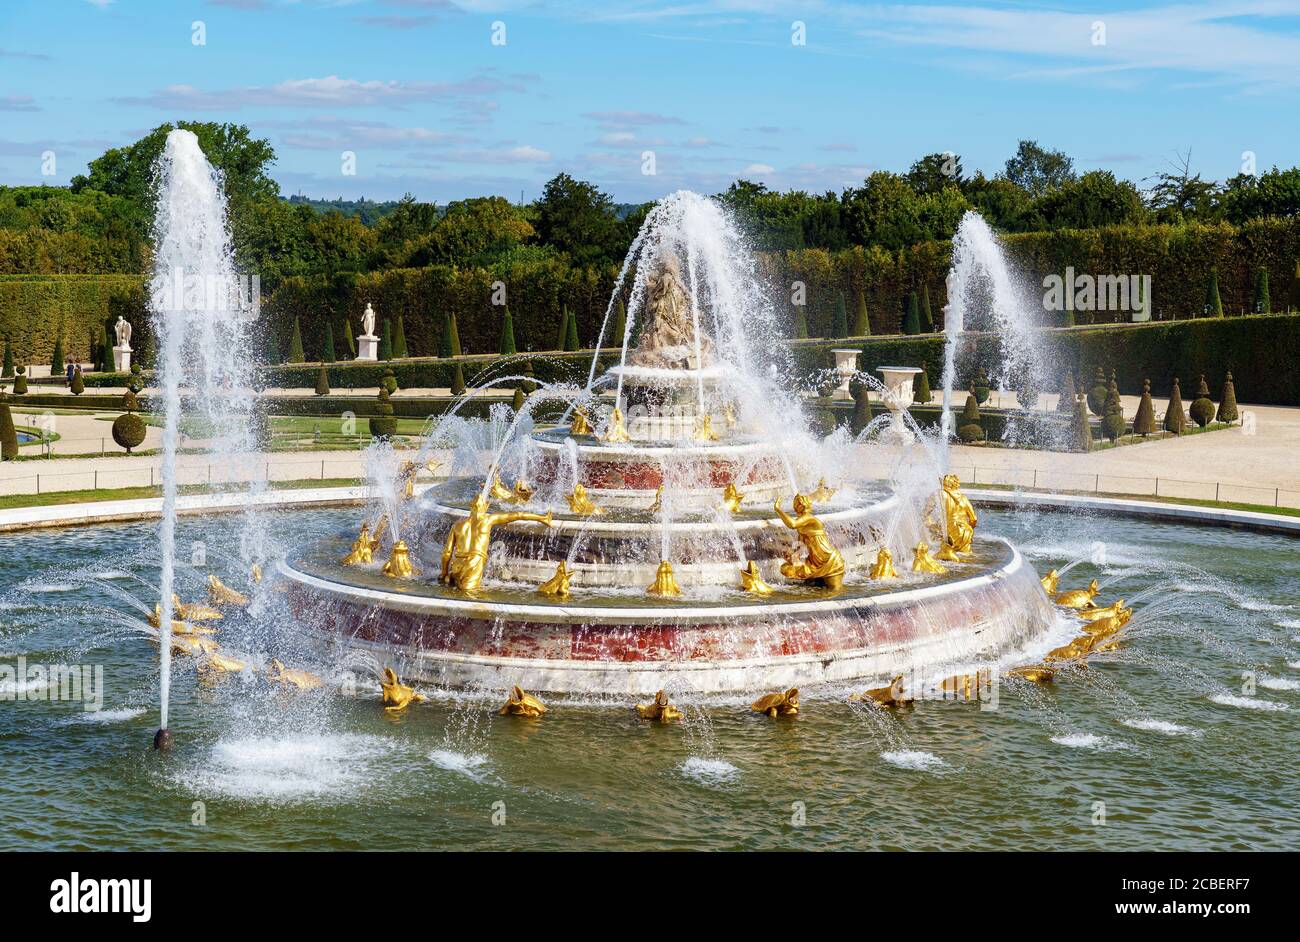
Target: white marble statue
(123, 331)
(368, 321)
(368, 343)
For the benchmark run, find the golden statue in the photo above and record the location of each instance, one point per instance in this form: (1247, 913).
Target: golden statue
(581, 504)
(193, 645)
(303, 680)
(751, 580)
(1073, 651)
(883, 568)
(890, 697)
(580, 425)
(499, 491)
(398, 696)
(778, 704)
(399, 564)
(660, 709)
(194, 612)
(523, 492)
(822, 493)
(965, 686)
(658, 505)
(665, 583)
(1034, 673)
(1102, 627)
(256, 574)
(522, 704)
(464, 556)
(558, 585)
(1095, 614)
(959, 519)
(222, 594)
(409, 470)
(1079, 598)
(823, 563)
(1051, 581)
(616, 431)
(222, 664)
(922, 561)
(704, 429)
(363, 548)
(178, 627)
(731, 498)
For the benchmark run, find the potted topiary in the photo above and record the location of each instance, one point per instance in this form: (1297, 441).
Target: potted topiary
(128, 428)
(970, 430)
(1202, 410)
(1228, 401)
(1175, 420)
(382, 423)
(1144, 423)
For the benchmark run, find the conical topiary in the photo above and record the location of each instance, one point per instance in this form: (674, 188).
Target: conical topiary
(78, 385)
(389, 380)
(20, 381)
(323, 382)
(859, 392)
(128, 428)
(458, 381)
(1213, 303)
(1175, 420)
(969, 429)
(562, 332)
(9, 362)
(386, 340)
(399, 340)
(1202, 410)
(450, 344)
(517, 403)
(349, 339)
(800, 322)
(619, 327)
(1097, 393)
(1112, 423)
(840, 319)
(110, 337)
(912, 319)
(507, 344)
(8, 433)
(1065, 401)
(861, 322)
(921, 388)
(327, 351)
(1263, 304)
(1228, 401)
(530, 377)
(571, 342)
(1144, 423)
(980, 387)
(295, 344)
(56, 361)
(1081, 437)
(927, 317)
(382, 423)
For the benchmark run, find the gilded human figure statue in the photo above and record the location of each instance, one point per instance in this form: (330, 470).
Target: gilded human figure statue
(959, 519)
(464, 557)
(822, 563)
(668, 340)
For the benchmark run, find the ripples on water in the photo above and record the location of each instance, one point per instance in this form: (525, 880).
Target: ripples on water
(1186, 734)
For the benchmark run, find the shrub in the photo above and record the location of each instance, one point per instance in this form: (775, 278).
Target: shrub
(619, 327)
(1263, 305)
(295, 344)
(1081, 437)
(20, 381)
(530, 381)
(446, 344)
(927, 318)
(136, 383)
(1175, 420)
(1228, 401)
(517, 403)
(106, 364)
(349, 339)
(389, 380)
(921, 388)
(399, 339)
(1112, 423)
(840, 323)
(8, 434)
(969, 429)
(507, 345)
(382, 423)
(1065, 401)
(56, 360)
(1027, 392)
(386, 341)
(323, 382)
(1144, 423)
(453, 334)
(128, 428)
(859, 391)
(980, 387)
(912, 317)
(861, 322)
(458, 381)
(1213, 303)
(78, 385)
(327, 353)
(9, 362)
(1202, 410)
(800, 322)
(1097, 394)
(571, 333)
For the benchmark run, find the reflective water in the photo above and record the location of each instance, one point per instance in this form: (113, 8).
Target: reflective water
(1164, 741)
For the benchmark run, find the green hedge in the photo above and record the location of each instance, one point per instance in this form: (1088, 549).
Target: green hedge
(432, 373)
(35, 309)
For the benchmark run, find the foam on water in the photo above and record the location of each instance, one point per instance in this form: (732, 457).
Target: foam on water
(1162, 726)
(109, 716)
(286, 769)
(914, 760)
(1247, 703)
(1091, 741)
(450, 761)
(1278, 683)
(1288, 623)
(709, 771)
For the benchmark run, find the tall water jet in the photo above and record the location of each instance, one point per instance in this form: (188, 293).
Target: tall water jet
(201, 319)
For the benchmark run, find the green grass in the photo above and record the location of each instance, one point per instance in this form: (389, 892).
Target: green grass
(56, 498)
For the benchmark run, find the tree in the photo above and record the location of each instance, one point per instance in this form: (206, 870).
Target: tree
(56, 360)
(861, 322)
(970, 429)
(578, 219)
(840, 323)
(1038, 170)
(1273, 193)
(1263, 305)
(1213, 303)
(449, 342)
(571, 333)
(323, 382)
(8, 433)
(884, 211)
(562, 334)
(1180, 195)
(1228, 401)
(349, 339)
(399, 340)
(458, 381)
(327, 351)
(620, 325)
(507, 345)
(386, 340)
(921, 388)
(1175, 419)
(8, 370)
(1081, 437)
(106, 364)
(78, 385)
(934, 172)
(1065, 402)
(477, 231)
(296, 354)
(1202, 410)
(912, 318)
(927, 317)
(1096, 199)
(1144, 423)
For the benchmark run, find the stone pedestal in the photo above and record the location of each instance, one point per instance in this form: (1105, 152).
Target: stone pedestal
(122, 359)
(367, 347)
(898, 396)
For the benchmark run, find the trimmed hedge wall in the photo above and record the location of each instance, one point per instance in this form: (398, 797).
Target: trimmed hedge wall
(432, 373)
(35, 309)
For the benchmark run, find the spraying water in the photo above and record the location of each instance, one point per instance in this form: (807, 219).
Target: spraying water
(201, 320)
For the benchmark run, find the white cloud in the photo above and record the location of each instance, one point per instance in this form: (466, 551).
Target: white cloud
(328, 92)
(618, 120)
(18, 103)
(758, 169)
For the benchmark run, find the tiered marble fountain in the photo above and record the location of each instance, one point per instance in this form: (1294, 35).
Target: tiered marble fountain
(678, 529)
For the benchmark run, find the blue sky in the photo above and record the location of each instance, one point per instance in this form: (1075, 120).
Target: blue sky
(716, 89)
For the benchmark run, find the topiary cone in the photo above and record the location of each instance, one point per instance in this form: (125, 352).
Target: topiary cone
(1065, 401)
(969, 429)
(620, 325)
(1202, 410)
(861, 322)
(1144, 423)
(9, 362)
(921, 388)
(1112, 423)
(1228, 401)
(1082, 430)
(458, 381)
(927, 318)
(78, 385)
(382, 423)
(323, 382)
(1175, 420)
(507, 344)
(8, 433)
(517, 403)
(840, 322)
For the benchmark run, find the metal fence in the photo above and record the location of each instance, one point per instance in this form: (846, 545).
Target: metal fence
(1078, 482)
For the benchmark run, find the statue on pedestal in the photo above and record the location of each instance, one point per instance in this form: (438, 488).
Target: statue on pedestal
(669, 340)
(122, 349)
(368, 321)
(367, 342)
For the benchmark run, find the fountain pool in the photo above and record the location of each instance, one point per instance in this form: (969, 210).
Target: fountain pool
(1159, 730)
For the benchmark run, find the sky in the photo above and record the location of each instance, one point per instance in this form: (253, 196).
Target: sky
(446, 99)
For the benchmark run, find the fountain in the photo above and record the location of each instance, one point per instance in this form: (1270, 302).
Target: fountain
(647, 545)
